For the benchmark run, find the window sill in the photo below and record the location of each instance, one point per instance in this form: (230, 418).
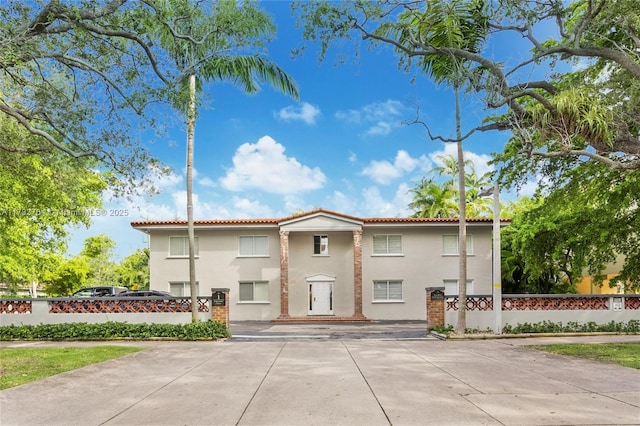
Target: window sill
(319, 255)
(387, 255)
(387, 301)
(182, 257)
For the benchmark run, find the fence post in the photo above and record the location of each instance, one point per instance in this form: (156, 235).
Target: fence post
(435, 307)
(220, 305)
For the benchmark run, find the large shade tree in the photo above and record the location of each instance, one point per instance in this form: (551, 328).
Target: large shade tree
(41, 196)
(78, 82)
(81, 78)
(221, 42)
(573, 94)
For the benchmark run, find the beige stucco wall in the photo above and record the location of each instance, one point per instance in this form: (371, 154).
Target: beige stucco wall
(218, 266)
(421, 265)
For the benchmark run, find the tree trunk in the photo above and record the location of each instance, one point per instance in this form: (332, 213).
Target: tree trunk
(462, 232)
(191, 124)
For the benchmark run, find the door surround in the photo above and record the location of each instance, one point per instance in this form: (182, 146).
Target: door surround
(320, 294)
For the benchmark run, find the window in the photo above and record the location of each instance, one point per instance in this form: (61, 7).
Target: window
(254, 245)
(254, 291)
(181, 288)
(321, 244)
(387, 291)
(451, 287)
(450, 244)
(387, 244)
(179, 246)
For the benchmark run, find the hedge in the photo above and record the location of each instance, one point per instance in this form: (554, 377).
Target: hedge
(209, 330)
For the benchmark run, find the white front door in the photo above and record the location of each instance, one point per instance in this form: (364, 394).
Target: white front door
(320, 298)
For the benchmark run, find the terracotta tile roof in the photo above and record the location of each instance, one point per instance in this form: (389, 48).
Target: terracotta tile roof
(275, 221)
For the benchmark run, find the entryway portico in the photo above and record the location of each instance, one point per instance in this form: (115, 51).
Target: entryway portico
(319, 243)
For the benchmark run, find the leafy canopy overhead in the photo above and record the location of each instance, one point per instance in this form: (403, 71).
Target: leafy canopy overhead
(80, 77)
(559, 117)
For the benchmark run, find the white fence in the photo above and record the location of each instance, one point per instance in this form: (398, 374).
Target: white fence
(134, 310)
(556, 308)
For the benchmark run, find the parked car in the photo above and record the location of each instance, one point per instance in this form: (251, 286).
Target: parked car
(144, 293)
(99, 291)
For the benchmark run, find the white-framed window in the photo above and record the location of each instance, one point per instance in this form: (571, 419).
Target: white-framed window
(450, 244)
(182, 288)
(387, 291)
(451, 287)
(321, 245)
(384, 244)
(179, 246)
(254, 291)
(253, 245)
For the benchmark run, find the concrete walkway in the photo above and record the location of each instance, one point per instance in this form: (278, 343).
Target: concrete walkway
(332, 382)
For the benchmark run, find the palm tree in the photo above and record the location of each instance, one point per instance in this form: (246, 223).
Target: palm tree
(449, 24)
(206, 45)
(433, 200)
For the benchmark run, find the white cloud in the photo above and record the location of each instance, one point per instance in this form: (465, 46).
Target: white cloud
(381, 128)
(480, 161)
(342, 202)
(350, 116)
(246, 208)
(207, 182)
(264, 166)
(303, 112)
(377, 206)
(384, 172)
(381, 117)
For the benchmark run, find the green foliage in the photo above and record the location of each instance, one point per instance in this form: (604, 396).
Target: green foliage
(98, 253)
(633, 326)
(99, 83)
(41, 196)
(441, 199)
(133, 271)
(580, 228)
(68, 276)
(209, 330)
(443, 329)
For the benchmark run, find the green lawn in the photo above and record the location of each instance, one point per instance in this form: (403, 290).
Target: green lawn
(24, 365)
(625, 354)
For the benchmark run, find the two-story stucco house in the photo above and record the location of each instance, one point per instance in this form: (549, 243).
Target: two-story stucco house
(320, 264)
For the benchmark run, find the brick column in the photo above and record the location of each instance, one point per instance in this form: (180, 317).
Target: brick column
(284, 274)
(357, 274)
(220, 305)
(435, 307)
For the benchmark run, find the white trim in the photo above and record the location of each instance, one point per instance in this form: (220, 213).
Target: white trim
(320, 277)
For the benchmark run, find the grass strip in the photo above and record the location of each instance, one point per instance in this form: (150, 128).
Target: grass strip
(23, 365)
(625, 354)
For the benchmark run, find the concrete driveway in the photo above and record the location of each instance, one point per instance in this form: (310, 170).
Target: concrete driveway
(327, 381)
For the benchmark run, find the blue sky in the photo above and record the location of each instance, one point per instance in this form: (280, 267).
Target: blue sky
(343, 146)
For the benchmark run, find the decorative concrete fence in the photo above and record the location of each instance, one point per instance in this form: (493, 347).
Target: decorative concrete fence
(557, 308)
(134, 310)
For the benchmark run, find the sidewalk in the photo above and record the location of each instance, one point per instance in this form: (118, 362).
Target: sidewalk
(321, 381)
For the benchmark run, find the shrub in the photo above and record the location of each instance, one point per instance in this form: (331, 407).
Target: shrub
(633, 326)
(209, 330)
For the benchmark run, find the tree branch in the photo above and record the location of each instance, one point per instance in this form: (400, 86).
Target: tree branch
(613, 164)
